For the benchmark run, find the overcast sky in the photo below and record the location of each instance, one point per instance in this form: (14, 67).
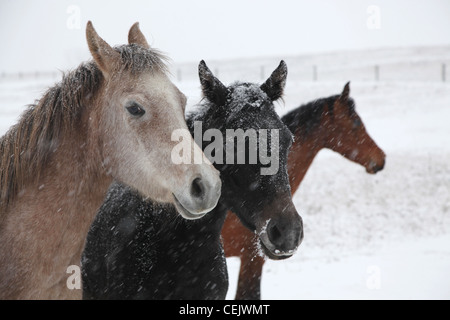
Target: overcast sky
(50, 34)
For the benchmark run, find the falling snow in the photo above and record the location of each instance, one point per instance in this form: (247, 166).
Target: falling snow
(396, 222)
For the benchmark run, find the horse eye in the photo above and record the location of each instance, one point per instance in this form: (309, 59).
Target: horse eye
(135, 109)
(356, 123)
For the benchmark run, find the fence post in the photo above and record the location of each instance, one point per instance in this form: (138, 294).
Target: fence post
(314, 73)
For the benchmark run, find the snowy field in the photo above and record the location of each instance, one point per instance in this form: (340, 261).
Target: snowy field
(383, 236)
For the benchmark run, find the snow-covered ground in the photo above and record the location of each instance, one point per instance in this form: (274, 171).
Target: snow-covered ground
(383, 236)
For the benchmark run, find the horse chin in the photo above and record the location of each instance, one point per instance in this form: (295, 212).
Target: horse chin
(373, 169)
(370, 170)
(186, 213)
(274, 254)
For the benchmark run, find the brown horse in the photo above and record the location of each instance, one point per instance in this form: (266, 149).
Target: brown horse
(325, 123)
(109, 119)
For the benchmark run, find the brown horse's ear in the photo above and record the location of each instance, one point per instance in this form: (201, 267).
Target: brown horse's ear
(135, 36)
(274, 86)
(345, 93)
(104, 55)
(212, 88)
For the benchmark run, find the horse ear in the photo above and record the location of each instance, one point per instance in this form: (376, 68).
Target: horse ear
(274, 86)
(212, 88)
(345, 93)
(104, 55)
(136, 36)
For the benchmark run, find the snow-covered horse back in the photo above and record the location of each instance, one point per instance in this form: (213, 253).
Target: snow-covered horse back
(132, 253)
(111, 118)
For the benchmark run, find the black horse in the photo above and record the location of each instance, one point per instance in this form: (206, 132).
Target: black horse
(137, 249)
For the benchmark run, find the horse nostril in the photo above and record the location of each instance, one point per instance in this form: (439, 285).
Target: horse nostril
(197, 188)
(378, 167)
(274, 234)
(381, 167)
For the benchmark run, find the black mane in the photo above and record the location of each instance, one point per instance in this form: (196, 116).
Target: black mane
(307, 116)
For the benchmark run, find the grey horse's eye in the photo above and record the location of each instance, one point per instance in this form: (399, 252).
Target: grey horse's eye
(135, 109)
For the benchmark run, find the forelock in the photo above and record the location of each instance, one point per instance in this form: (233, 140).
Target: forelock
(243, 94)
(137, 59)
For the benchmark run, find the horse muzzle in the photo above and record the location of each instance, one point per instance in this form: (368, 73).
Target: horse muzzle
(200, 198)
(373, 167)
(282, 234)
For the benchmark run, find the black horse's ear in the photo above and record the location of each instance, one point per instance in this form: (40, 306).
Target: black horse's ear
(345, 93)
(274, 86)
(212, 88)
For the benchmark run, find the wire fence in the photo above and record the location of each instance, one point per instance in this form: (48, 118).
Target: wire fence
(30, 75)
(409, 71)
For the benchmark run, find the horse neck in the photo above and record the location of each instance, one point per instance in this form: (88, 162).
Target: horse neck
(50, 218)
(75, 177)
(307, 144)
(78, 163)
(215, 219)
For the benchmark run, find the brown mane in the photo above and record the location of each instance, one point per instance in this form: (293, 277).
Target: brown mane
(27, 145)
